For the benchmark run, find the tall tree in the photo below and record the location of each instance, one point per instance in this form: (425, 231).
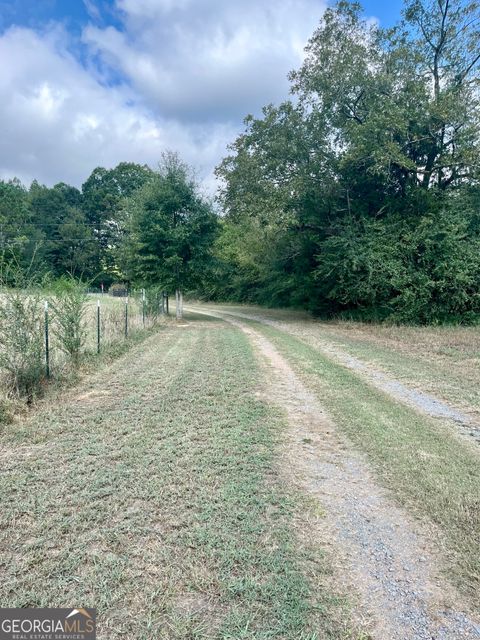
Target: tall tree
(171, 229)
(19, 240)
(402, 103)
(103, 193)
(276, 191)
(357, 179)
(68, 242)
(446, 35)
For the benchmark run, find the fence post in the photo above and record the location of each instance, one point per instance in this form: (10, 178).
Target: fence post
(166, 300)
(143, 307)
(47, 342)
(98, 326)
(126, 317)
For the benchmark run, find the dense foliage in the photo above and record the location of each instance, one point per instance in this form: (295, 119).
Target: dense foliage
(358, 196)
(169, 230)
(61, 230)
(361, 194)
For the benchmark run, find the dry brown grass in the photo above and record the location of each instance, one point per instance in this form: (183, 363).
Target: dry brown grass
(442, 361)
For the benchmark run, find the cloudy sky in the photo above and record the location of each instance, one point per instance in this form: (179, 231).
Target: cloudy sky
(85, 83)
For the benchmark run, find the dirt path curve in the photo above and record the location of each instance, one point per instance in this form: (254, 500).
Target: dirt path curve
(381, 555)
(420, 401)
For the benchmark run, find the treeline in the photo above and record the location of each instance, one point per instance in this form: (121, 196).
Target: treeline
(359, 196)
(131, 225)
(63, 230)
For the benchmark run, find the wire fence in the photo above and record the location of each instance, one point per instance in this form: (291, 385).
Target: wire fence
(43, 336)
(110, 319)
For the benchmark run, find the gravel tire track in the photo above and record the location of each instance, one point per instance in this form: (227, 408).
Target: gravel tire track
(382, 556)
(418, 400)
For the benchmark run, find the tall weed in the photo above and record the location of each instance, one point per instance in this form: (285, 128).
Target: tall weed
(69, 306)
(21, 341)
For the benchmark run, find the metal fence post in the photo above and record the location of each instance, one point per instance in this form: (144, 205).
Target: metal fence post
(126, 317)
(47, 343)
(98, 326)
(143, 307)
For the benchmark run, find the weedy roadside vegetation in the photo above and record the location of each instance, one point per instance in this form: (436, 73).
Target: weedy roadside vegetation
(69, 306)
(73, 334)
(21, 346)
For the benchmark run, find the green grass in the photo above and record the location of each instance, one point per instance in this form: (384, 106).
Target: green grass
(153, 494)
(443, 361)
(424, 358)
(427, 468)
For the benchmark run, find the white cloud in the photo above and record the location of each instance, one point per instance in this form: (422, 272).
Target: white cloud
(59, 122)
(92, 9)
(189, 72)
(147, 9)
(207, 59)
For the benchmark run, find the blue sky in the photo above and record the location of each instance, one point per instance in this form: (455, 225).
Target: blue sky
(94, 82)
(75, 13)
(387, 11)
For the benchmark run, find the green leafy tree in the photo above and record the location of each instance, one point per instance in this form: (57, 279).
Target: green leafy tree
(19, 239)
(276, 190)
(402, 103)
(349, 182)
(68, 243)
(171, 229)
(102, 204)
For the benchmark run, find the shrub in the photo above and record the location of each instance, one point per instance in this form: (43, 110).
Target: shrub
(69, 306)
(21, 341)
(153, 303)
(6, 411)
(118, 290)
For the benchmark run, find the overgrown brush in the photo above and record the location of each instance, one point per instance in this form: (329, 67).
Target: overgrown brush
(69, 306)
(21, 341)
(153, 303)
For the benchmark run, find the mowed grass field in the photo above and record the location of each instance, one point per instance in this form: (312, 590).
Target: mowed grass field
(152, 492)
(430, 468)
(155, 489)
(443, 360)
